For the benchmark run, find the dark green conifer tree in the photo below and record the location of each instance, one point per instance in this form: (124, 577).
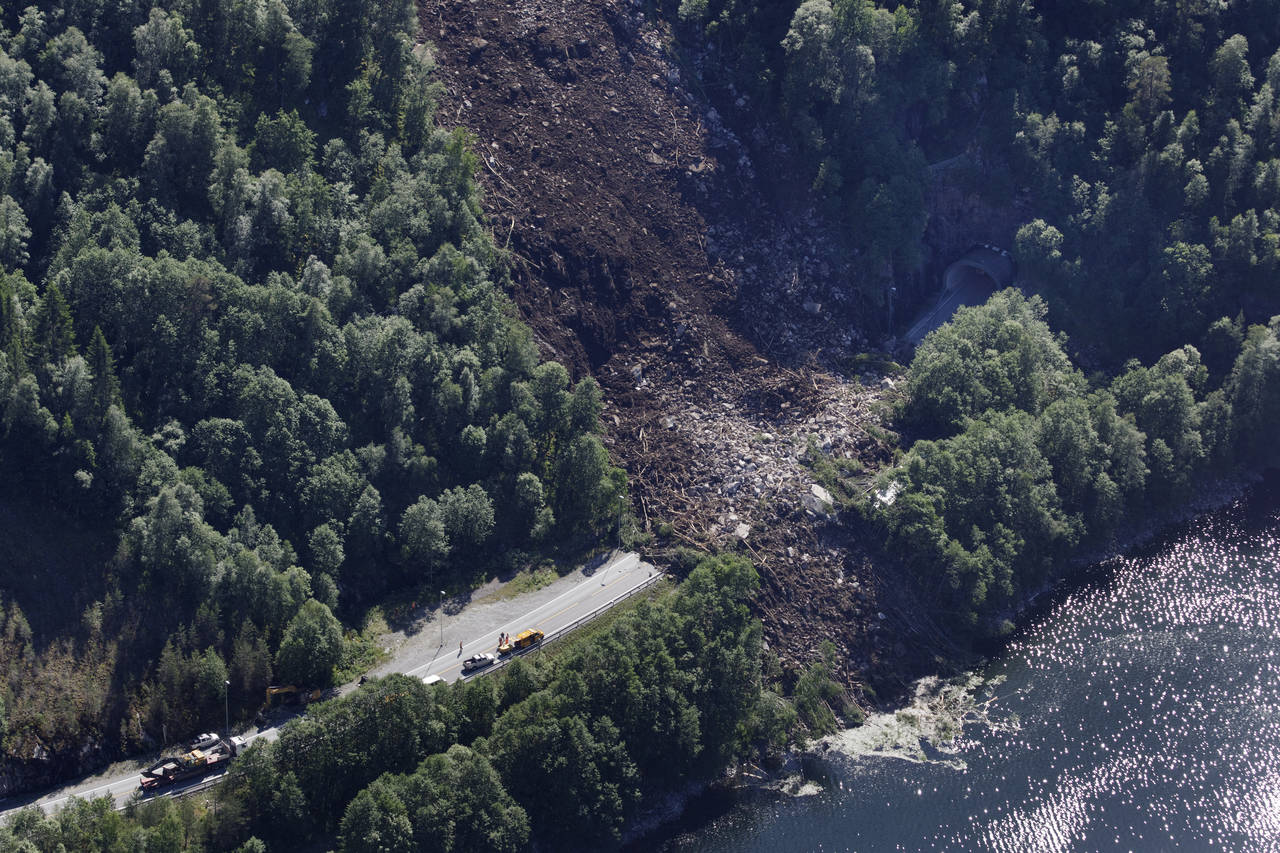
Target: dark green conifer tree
(106, 388)
(55, 337)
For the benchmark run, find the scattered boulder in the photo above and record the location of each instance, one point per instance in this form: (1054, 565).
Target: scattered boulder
(818, 501)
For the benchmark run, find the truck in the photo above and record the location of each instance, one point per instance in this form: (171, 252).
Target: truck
(190, 765)
(525, 639)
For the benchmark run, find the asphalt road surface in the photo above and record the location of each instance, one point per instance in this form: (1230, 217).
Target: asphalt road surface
(973, 288)
(596, 593)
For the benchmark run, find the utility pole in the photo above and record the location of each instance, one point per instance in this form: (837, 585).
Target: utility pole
(226, 706)
(442, 618)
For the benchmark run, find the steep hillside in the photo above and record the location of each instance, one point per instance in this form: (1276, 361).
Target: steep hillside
(714, 316)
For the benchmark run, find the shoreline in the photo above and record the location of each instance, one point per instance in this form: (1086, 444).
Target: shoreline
(1219, 494)
(670, 809)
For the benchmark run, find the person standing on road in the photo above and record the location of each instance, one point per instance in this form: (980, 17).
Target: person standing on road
(459, 647)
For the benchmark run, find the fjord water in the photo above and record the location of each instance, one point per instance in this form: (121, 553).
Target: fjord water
(1138, 710)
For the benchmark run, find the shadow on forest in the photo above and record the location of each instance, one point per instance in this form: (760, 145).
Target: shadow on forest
(51, 563)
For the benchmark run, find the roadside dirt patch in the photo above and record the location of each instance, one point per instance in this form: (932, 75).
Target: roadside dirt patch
(643, 254)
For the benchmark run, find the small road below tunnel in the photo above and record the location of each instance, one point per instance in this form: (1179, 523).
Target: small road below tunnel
(970, 280)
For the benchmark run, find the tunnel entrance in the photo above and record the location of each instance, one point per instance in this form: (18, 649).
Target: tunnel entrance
(987, 261)
(960, 274)
(970, 280)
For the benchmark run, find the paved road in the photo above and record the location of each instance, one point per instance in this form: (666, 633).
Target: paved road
(597, 592)
(974, 288)
(619, 578)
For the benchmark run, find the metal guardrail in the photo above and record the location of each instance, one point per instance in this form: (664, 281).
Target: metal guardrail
(560, 634)
(209, 781)
(194, 788)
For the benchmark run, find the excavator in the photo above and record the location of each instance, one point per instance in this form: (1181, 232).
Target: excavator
(292, 693)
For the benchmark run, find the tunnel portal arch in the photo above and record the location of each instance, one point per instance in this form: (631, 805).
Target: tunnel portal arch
(969, 280)
(992, 261)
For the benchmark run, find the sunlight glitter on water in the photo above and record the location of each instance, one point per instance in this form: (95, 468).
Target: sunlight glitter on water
(1140, 711)
(1184, 718)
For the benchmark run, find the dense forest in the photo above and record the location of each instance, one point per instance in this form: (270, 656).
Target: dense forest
(555, 749)
(252, 332)
(1022, 462)
(1143, 136)
(255, 348)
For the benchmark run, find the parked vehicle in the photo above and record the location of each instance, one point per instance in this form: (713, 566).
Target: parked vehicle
(190, 765)
(525, 639)
(432, 679)
(479, 661)
(205, 741)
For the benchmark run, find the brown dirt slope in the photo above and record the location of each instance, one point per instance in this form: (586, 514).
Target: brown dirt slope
(643, 254)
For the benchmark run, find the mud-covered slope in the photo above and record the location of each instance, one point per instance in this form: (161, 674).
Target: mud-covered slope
(588, 153)
(644, 254)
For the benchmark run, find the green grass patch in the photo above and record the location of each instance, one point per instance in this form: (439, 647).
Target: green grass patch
(362, 650)
(529, 580)
(875, 362)
(525, 580)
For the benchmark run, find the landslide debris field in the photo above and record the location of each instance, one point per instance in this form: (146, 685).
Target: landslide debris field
(644, 254)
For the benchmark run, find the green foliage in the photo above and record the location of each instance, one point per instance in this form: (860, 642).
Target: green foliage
(190, 688)
(1254, 392)
(556, 748)
(362, 650)
(284, 142)
(252, 325)
(1143, 135)
(1036, 464)
(528, 580)
(454, 802)
(311, 647)
(53, 337)
(571, 773)
(815, 691)
(999, 356)
(106, 387)
(422, 530)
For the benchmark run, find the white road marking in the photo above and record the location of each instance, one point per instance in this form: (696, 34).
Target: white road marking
(584, 592)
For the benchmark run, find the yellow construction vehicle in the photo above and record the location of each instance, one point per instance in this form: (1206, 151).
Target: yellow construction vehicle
(523, 640)
(292, 693)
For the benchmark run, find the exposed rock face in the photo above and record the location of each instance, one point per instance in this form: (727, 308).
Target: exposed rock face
(960, 216)
(42, 768)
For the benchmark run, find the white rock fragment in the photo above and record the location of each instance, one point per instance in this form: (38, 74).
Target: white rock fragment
(818, 501)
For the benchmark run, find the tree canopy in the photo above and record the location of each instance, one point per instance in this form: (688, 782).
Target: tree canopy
(1030, 461)
(253, 328)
